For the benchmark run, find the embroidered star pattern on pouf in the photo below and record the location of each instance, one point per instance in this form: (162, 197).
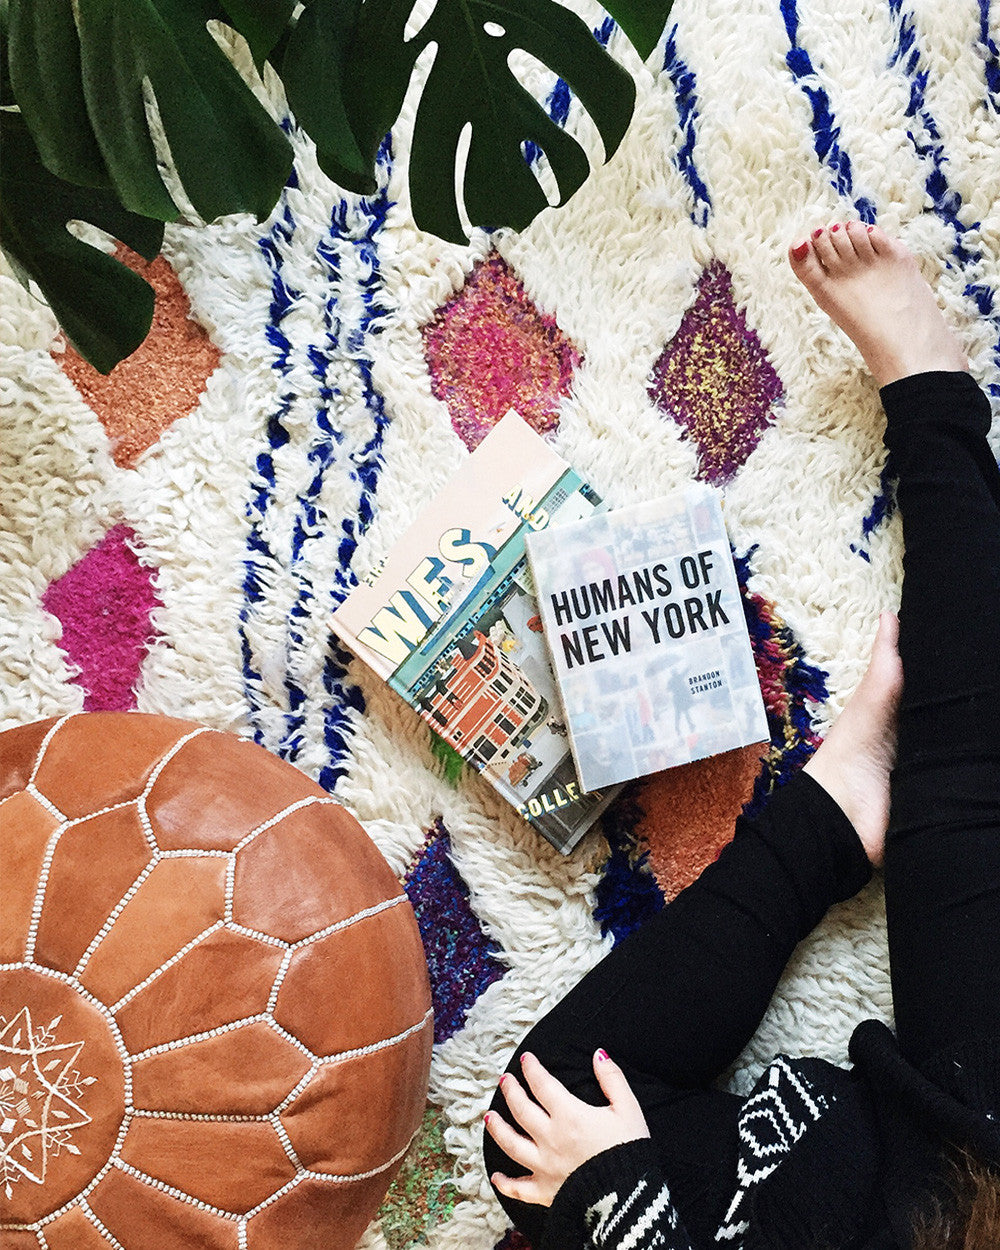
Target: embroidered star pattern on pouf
(40, 1092)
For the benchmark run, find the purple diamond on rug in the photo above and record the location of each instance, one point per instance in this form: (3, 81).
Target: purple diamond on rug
(105, 604)
(460, 959)
(715, 380)
(489, 348)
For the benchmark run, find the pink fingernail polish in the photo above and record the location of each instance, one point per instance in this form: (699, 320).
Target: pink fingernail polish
(799, 253)
(834, 228)
(486, 1118)
(869, 228)
(602, 1055)
(817, 232)
(502, 1079)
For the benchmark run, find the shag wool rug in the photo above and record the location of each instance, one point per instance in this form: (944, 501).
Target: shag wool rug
(175, 537)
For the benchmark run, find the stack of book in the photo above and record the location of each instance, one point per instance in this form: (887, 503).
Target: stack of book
(561, 648)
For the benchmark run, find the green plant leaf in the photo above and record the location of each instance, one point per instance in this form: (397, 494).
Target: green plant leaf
(229, 153)
(641, 20)
(471, 82)
(43, 33)
(312, 71)
(452, 764)
(104, 308)
(260, 22)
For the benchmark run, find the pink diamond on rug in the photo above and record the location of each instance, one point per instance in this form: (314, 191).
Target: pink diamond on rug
(489, 348)
(715, 380)
(105, 604)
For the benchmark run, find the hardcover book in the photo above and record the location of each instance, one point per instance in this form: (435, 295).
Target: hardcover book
(645, 625)
(449, 621)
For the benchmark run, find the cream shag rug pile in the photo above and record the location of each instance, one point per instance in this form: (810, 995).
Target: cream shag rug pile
(175, 539)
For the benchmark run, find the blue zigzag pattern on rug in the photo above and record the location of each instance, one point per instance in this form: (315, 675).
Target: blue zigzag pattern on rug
(882, 509)
(278, 544)
(992, 68)
(686, 92)
(826, 132)
(926, 138)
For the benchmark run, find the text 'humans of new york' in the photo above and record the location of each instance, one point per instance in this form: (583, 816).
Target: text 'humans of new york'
(679, 617)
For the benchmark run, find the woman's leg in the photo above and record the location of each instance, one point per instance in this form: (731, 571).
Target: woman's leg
(676, 1002)
(942, 865)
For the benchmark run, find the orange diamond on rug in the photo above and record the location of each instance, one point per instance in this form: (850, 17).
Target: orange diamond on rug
(162, 380)
(489, 348)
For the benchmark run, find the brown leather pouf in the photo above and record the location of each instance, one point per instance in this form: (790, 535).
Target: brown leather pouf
(216, 1026)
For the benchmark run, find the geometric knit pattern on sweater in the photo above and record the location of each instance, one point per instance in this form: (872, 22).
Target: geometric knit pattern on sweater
(784, 1103)
(644, 1219)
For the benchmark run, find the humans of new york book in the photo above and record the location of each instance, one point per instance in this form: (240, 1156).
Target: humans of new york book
(589, 644)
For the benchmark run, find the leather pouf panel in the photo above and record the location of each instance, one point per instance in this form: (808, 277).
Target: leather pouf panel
(215, 1022)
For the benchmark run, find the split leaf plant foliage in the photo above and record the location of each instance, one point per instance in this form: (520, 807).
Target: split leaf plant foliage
(81, 79)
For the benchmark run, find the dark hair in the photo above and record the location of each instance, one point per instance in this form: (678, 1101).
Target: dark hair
(967, 1214)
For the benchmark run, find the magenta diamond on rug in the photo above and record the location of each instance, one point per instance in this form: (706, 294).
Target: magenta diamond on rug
(489, 348)
(715, 380)
(105, 604)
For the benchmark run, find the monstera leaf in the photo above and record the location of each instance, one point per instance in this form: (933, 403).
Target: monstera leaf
(643, 21)
(229, 153)
(85, 75)
(104, 308)
(469, 83)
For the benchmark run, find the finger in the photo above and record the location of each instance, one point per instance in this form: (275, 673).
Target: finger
(514, 1145)
(549, 1090)
(614, 1083)
(525, 1111)
(888, 631)
(520, 1188)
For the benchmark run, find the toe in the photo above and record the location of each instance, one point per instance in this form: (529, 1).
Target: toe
(804, 261)
(883, 244)
(840, 240)
(860, 237)
(826, 249)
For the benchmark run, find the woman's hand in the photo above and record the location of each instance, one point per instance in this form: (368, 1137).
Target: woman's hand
(560, 1130)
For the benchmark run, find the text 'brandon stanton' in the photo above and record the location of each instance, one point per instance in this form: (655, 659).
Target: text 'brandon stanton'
(689, 615)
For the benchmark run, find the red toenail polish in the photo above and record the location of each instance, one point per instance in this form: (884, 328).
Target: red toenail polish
(799, 253)
(833, 228)
(817, 233)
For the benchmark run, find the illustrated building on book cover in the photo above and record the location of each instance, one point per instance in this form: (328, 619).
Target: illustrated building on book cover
(645, 625)
(450, 622)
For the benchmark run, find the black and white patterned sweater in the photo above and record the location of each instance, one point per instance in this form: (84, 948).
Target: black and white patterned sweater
(825, 1157)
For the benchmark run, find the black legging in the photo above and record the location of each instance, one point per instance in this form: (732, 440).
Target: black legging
(676, 1002)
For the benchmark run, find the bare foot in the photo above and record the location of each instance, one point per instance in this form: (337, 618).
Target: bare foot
(869, 284)
(855, 759)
